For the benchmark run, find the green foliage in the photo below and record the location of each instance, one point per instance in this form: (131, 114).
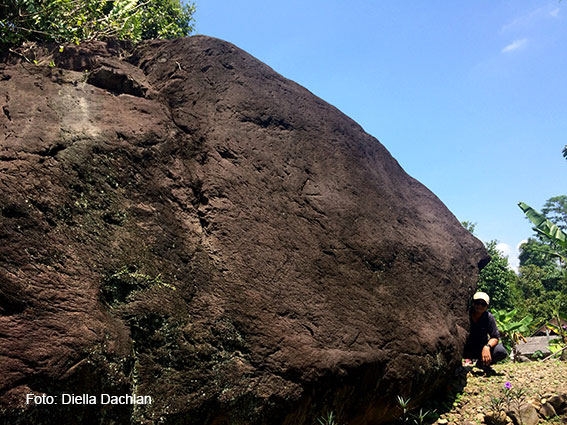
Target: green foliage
(559, 343)
(512, 328)
(498, 280)
(543, 307)
(76, 20)
(408, 417)
(555, 210)
(542, 276)
(530, 281)
(537, 253)
(547, 230)
(535, 282)
(469, 225)
(329, 419)
(403, 404)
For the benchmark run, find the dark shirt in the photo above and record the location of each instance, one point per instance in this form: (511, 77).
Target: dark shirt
(481, 331)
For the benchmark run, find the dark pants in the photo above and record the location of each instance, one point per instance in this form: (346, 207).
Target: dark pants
(497, 353)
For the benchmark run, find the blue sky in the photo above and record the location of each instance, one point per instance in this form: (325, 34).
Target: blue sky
(469, 96)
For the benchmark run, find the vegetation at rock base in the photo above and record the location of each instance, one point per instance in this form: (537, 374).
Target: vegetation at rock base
(76, 20)
(328, 419)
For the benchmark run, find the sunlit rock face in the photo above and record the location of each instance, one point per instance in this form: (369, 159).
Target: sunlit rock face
(181, 222)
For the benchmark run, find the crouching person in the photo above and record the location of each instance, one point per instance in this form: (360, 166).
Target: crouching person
(483, 340)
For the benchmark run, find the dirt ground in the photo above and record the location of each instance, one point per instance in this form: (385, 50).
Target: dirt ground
(539, 379)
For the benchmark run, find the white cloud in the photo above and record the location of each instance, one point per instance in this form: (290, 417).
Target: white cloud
(504, 248)
(515, 45)
(511, 253)
(532, 18)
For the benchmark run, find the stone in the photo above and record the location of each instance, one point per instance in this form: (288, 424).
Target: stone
(559, 403)
(182, 222)
(496, 418)
(442, 421)
(535, 402)
(523, 359)
(547, 411)
(527, 415)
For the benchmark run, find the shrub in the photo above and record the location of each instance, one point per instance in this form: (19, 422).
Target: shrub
(77, 20)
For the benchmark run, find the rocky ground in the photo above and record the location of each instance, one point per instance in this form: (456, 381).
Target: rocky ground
(540, 380)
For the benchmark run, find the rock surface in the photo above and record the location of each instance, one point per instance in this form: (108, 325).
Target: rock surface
(189, 225)
(547, 411)
(525, 415)
(559, 402)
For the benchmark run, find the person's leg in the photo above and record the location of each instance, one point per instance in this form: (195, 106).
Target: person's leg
(498, 353)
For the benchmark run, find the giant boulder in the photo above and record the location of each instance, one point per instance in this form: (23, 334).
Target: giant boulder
(181, 222)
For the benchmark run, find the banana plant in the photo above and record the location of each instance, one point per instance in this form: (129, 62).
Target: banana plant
(546, 228)
(512, 330)
(559, 343)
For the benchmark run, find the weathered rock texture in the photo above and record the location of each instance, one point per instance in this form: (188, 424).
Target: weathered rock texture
(190, 225)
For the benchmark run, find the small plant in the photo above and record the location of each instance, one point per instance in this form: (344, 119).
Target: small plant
(511, 400)
(329, 419)
(497, 404)
(408, 417)
(421, 417)
(403, 404)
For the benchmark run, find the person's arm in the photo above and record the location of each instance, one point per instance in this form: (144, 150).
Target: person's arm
(494, 338)
(492, 343)
(486, 353)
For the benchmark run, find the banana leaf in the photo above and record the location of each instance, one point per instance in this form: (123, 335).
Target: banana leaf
(545, 227)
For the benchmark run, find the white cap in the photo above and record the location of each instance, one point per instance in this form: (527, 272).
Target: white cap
(482, 296)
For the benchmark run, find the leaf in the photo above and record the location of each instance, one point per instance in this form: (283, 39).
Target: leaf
(555, 345)
(544, 226)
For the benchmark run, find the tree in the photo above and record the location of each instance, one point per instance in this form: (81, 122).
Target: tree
(530, 282)
(555, 210)
(498, 280)
(76, 20)
(547, 306)
(542, 277)
(534, 252)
